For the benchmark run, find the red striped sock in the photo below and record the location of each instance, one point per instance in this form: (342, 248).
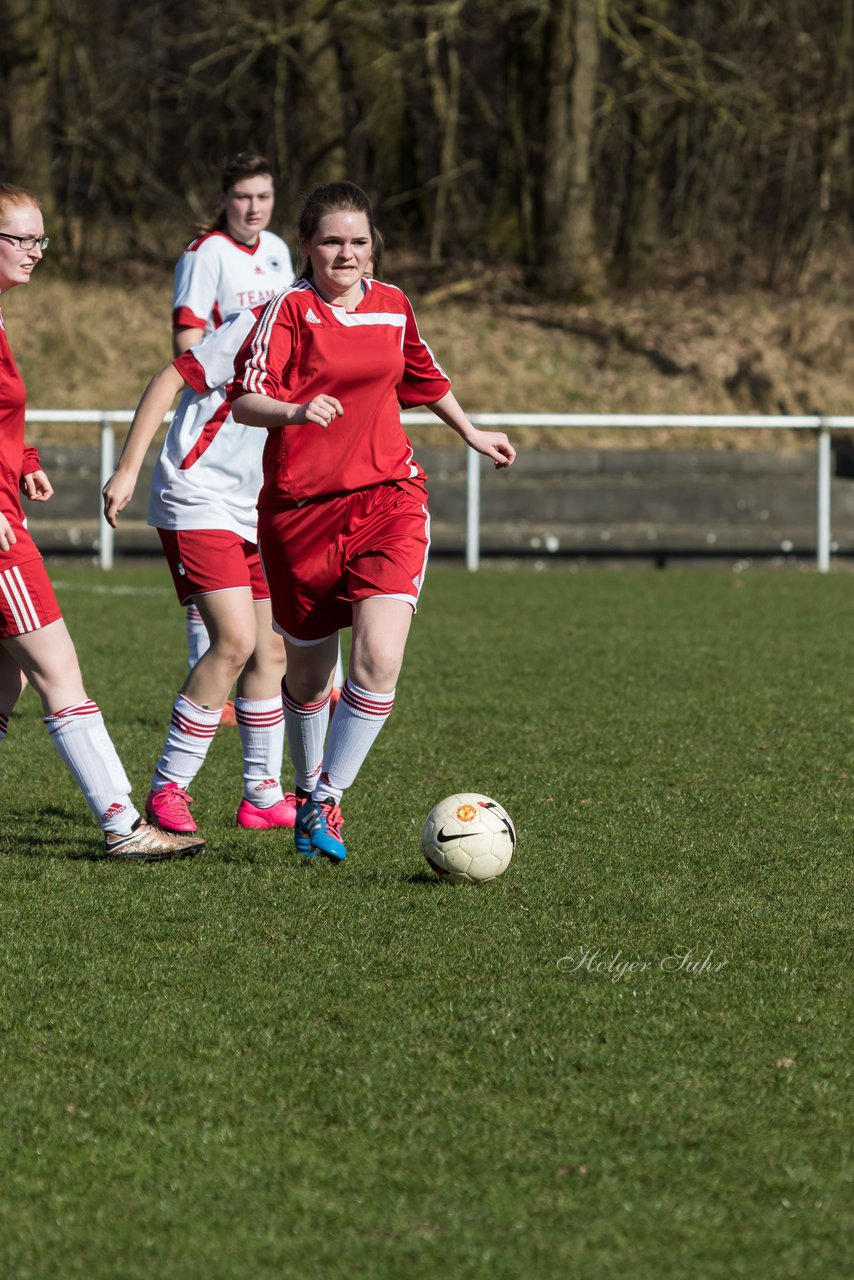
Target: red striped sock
(187, 743)
(305, 727)
(80, 736)
(261, 724)
(358, 719)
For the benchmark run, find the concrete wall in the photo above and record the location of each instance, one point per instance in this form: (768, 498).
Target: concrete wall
(578, 502)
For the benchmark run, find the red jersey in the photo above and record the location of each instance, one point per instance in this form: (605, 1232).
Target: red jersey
(16, 458)
(373, 360)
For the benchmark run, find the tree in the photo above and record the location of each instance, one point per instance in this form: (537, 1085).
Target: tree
(569, 263)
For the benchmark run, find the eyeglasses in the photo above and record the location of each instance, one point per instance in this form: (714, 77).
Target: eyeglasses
(26, 243)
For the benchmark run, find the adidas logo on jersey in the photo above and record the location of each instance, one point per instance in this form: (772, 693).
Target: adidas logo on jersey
(311, 317)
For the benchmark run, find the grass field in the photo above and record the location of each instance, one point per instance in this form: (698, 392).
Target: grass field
(627, 1058)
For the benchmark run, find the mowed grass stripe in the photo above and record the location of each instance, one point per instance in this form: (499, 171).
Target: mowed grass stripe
(628, 1056)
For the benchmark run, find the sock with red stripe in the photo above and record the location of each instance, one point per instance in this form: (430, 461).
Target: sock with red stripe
(198, 640)
(261, 724)
(80, 736)
(190, 735)
(305, 727)
(338, 678)
(358, 719)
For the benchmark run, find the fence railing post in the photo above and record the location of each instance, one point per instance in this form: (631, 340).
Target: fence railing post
(472, 510)
(106, 534)
(823, 460)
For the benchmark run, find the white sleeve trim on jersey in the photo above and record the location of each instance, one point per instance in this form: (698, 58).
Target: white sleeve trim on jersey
(255, 374)
(217, 351)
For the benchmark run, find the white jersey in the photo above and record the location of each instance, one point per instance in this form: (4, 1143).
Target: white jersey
(209, 470)
(217, 275)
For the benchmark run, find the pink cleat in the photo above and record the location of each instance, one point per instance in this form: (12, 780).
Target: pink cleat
(169, 809)
(281, 814)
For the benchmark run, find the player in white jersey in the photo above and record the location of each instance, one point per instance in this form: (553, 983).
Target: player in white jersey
(202, 502)
(235, 264)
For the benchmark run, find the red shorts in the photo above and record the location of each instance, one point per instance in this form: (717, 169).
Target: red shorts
(27, 600)
(323, 556)
(204, 560)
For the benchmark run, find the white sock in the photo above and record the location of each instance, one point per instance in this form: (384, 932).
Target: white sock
(190, 735)
(198, 640)
(358, 719)
(305, 728)
(80, 736)
(261, 724)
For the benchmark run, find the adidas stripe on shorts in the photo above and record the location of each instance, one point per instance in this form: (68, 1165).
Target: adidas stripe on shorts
(27, 599)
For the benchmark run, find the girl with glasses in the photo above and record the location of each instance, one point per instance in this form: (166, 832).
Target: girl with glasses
(35, 645)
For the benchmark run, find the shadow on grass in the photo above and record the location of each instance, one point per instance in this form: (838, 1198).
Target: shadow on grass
(57, 848)
(425, 879)
(53, 833)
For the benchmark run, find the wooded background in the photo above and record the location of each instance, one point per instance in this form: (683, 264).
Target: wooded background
(579, 139)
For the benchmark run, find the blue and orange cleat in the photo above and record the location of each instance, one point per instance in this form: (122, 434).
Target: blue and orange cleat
(318, 830)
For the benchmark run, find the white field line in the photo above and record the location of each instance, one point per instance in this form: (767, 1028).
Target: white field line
(95, 590)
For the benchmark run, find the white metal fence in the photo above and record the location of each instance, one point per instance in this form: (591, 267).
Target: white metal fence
(821, 427)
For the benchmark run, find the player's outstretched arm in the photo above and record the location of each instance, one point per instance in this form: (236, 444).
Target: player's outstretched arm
(492, 444)
(255, 410)
(150, 412)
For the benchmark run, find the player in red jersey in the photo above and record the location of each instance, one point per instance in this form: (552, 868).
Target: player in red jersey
(202, 502)
(35, 645)
(235, 264)
(343, 524)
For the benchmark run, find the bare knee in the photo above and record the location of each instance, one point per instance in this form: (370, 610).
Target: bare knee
(377, 666)
(310, 670)
(232, 652)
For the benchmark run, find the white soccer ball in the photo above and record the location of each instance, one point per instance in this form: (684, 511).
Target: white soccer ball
(468, 838)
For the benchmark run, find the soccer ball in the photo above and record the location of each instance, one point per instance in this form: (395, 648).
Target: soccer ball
(468, 838)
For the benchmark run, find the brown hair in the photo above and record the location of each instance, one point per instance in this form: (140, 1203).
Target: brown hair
(377, 255)
(246, 164)
(11, 197)
(333, 197)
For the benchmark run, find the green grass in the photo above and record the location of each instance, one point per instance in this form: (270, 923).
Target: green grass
(243, 1067)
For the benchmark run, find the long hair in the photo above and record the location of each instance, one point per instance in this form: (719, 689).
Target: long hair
(333, 197)
(246, 164)
(11, 197)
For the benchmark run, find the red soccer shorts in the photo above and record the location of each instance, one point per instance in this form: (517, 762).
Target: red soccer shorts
(323, 556)
(27, 600)
(204, 560)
